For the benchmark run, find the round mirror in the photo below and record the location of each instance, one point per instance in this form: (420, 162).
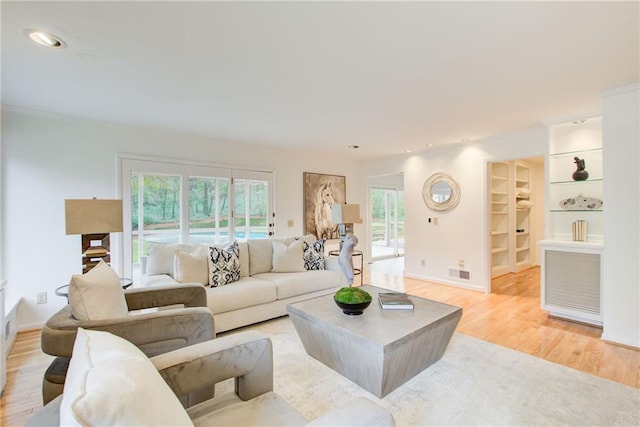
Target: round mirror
(440, 192)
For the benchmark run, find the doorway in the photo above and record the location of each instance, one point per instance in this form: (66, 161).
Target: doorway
(516, 193)
(386, 216)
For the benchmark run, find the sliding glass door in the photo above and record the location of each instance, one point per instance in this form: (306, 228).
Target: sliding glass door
(387, 223)
(180, 203)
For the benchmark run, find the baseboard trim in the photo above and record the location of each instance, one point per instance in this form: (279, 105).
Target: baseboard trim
(440, 281)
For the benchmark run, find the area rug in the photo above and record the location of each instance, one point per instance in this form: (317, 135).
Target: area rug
(475, 383)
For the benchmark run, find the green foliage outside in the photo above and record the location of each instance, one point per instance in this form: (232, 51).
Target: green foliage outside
(161, 198)
(380, 200)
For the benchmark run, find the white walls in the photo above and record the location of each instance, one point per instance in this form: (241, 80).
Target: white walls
(49, 158)
(460, 234)
(621, 271)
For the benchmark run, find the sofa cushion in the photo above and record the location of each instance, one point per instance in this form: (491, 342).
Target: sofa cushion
(160, 257)
(247, 292)
(266, 409)
(191, 267)
(111, 382)
(97, 294)
(243, 247)
(224, 264)
(293, 284)
(158, 280)
(260, 256)
(287, 258)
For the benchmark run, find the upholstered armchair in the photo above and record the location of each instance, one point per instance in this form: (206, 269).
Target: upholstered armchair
(179, 318)
(112, 383)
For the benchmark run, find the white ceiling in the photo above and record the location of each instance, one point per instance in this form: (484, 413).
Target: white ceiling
(387, 76)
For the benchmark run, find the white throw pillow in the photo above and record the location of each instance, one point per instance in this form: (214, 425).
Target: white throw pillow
(191, 267)
(97, 295)
(287, 259)
(260, 256)
(160, 257)
(111, 382)
(224, 265)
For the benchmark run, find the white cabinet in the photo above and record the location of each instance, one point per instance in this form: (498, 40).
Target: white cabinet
(571, 270)
(571, 274)
(511, 201)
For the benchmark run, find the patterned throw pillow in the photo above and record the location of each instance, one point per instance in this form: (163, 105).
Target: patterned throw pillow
(314, 255)
(224, 265)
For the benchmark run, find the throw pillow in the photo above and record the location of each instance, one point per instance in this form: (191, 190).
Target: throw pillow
(260, 256)
(111, 382)
(191, 267)
(287, 259)
(224, 265)
(97, 294)
(160, 257)
(314, 255)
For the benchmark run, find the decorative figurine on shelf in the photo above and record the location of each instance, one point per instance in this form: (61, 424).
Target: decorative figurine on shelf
(345, 259)
(580, 173)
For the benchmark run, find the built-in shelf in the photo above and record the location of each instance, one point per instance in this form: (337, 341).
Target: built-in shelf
(571, 273)
(510, 182)
(586, 181)
(576, 152)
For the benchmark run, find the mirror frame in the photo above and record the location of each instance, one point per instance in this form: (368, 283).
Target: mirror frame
(451, 202)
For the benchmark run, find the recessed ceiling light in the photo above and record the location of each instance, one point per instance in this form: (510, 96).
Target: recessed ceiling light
(45, 39)
(429, 145)
(579, 122)
(407, 151)
(354, 147)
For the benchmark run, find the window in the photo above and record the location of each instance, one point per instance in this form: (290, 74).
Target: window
(181, 203)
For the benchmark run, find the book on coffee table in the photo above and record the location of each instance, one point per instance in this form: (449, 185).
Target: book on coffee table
(394, 301)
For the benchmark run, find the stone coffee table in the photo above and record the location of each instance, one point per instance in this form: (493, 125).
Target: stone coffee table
(381, 349)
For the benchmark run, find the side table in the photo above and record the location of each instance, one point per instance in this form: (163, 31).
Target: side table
(63, 291)
(355, 254)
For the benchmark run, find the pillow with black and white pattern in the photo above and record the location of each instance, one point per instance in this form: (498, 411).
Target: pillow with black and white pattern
(313, 255)
(224, 265)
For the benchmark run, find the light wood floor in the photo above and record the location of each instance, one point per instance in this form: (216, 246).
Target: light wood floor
(510, 316)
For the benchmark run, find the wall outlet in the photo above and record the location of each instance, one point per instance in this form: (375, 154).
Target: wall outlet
(461, 263)
(289, 223)
(423, 262)
(41, 298)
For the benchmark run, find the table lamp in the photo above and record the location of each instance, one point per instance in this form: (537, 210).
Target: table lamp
(94, 219)
(345, 216)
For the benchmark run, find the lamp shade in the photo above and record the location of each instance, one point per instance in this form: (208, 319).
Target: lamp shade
(92, 216)
(345, 214)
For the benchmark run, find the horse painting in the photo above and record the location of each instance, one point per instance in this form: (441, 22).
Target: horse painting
(320, 192)
(325, 229)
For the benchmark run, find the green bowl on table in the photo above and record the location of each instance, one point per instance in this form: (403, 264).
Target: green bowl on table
(352, 301)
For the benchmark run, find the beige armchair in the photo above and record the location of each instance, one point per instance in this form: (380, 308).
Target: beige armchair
(246, 356)
(185, 321)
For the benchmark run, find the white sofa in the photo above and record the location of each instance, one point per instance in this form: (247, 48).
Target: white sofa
(260, 294)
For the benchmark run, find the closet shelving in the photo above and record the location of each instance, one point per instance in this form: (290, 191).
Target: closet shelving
(510, 217)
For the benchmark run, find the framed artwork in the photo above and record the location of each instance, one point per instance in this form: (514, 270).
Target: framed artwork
(320, 192)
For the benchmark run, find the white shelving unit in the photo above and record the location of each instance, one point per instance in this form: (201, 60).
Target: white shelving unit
(499, 218)
(510, 217)
(570, 273)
